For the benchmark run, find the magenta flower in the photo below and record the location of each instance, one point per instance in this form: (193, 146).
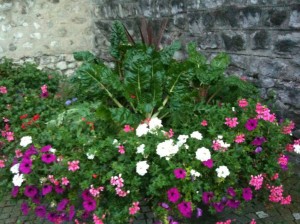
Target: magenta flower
(46, 189)
(59, 189)
(218, 206)
(46, 148)
(25, 166)
(258, 141)
(62, 204)
(232, 203)
(25, 208)
(86, 194)
(15, 191)
(36, 199)
(89, 205)
(251, 124)
(247, 194)
(52, 217)
(48, 158)
(40, 211)
(30, 151)
(173, 194)
(208, 163)
(258, 150)
(71, 212)
(179, 173)
(185, 208)
(207, 196)
(30, 191)
(231, 192)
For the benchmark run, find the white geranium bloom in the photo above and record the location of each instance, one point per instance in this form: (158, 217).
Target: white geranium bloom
(220, 136)
(222, 171)
(182, 139)
(43, 180)
(141, 167)
(154, 124)
(197, 135)
(203, 154)
(297, 149)
(115, 142)
(195, 173)
(223, 144)
(18, 179)
(53, 204)
(186, 146)
(90, 156)
(53, 150)
(142, 129)
(167, 148)
(15, 168)
(140, 149)
(26, 140)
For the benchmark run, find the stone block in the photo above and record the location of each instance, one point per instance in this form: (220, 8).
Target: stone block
(260, 40)
(267, 67)
(262, 214)
(209, 40)
(250, 17)
(234, 41)
(294, 20)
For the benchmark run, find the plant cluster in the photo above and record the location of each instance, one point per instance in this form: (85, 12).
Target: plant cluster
(177, 136)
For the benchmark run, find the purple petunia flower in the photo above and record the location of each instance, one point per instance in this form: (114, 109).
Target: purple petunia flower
(48, 158)
(258, 150)
(46, 189)
(36, 199)
(165, 205)
(258, 141)
(185, 208)
(85, 215)
(71, 212)
(25, 166)
(52, 217)
(30, 151)
(251, 124)
(86, 194)
(59, 189)
(15, 191)
(40, 211)
(171, 220)
(62, 204)
(46, 148)
(25, 208)
(30, 191)
(233, 203)
(224, 200)
(68, 102)
(179, 173)
(231, 192)
(199, 212)
(219, 206)
(207, 196)
(89, 205)
(247, 194)
(208, 163)
(173, 194)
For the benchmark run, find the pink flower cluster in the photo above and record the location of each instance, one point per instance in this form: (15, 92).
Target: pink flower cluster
(128, 128)
(3, 90)
(97, 220)
(134, 208)
(243, 103)
(225, 222)
(7, 133)
(45, 93)
(256, 181)
(264, 113)
(73, 165)
(2, 163)
(121, 149)
(288, 128)
(283, 161)
(231, 122)
(95, 191)
(276, 195)
(119, 183)
(240, 138)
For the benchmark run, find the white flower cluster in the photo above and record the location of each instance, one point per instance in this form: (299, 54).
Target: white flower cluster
(18, 178)
(182, 140)
(140, 149)
(152, 127)
(203, 154)
(223, 144)
(297, 149)
(26, 140)
(195, 173)
(167, 149)
(197, 135)
(222, 171)
(141, 167)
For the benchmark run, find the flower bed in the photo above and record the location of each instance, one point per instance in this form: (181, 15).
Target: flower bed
(149, 135)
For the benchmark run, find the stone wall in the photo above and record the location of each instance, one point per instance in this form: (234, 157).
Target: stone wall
(262, 37)
(45, 31)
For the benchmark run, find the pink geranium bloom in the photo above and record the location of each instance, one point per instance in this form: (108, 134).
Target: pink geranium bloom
(18, 153)
(256, 181)
(121, 149)
(97, 220)
(231, 122)
(128, 128)
(240, 138)
(2, 163)
(3, 90)
(9, 136)
(65, 181)
(204, 123)
(243, 103)
(73, 165)
(286, 201)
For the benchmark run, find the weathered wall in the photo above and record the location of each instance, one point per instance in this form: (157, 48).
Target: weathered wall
(45, 31)
(262, 37)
